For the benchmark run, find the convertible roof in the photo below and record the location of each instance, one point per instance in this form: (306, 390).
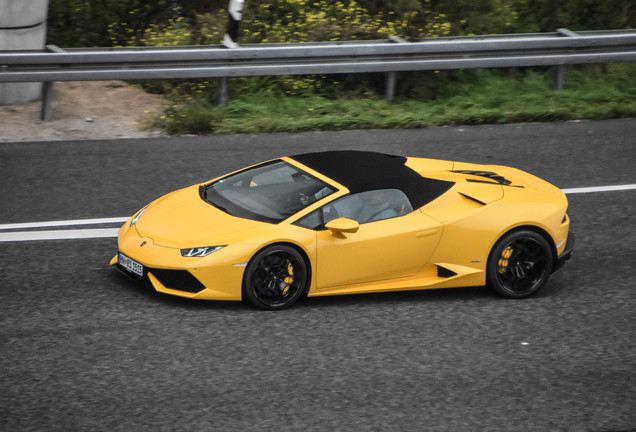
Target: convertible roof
(361, 171)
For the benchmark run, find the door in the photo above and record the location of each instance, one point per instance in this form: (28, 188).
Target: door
(396, 246)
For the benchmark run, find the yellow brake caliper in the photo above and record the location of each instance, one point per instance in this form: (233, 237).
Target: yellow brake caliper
(503, 261)
(289, 279)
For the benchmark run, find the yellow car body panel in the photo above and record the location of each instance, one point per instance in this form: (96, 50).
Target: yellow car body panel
(382, 250)
(444, 243)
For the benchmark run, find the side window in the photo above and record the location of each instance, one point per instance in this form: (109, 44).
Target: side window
(364, 207)
(311, 221)
(346, 207)
(369, 206)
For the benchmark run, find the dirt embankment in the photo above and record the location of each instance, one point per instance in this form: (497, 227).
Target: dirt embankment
(83, 110)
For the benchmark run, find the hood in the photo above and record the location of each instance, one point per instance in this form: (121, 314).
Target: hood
(182, 219)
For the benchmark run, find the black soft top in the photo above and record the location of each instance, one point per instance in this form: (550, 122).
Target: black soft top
(361, 171)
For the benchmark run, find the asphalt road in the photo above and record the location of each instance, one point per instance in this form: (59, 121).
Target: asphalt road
(84, 349)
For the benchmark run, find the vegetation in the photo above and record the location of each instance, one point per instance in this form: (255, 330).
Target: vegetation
(77, 23)
(319, 102)
(473, 97)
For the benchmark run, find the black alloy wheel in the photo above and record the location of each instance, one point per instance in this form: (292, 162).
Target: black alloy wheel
(275, 278)
(520, 264)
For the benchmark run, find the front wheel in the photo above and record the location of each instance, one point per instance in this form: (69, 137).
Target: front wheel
(519, 265)
(275, 278)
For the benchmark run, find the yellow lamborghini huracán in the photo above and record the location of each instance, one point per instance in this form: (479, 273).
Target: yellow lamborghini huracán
(345, 222)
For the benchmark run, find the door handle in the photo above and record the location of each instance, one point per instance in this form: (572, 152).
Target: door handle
(427, 233)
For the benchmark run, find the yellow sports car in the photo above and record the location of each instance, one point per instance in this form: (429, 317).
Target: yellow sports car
(345, 222)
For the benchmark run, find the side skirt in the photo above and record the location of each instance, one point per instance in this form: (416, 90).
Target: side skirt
(430, 277)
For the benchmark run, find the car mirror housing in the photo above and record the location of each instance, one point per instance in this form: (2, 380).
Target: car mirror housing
(342, 225)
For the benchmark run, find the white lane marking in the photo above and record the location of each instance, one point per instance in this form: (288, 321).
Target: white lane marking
(600, 189)
(28, 225)
(58, 234)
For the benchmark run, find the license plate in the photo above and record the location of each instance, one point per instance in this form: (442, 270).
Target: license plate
(131, 265)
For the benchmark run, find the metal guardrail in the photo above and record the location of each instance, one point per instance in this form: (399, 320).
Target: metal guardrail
(559, 49)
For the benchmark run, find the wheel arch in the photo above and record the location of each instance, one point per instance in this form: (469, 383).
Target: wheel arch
(303, 253)
(537, 229)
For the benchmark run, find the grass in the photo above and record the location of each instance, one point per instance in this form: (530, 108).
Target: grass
(470, 97)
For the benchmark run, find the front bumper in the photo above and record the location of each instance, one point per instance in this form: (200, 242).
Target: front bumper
(164, 279)
(221, 282)
(567, 253)
(217, 276)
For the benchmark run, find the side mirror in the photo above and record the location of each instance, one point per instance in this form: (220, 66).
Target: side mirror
(342, 225)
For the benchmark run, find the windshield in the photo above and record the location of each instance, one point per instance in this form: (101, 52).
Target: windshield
(270, 192)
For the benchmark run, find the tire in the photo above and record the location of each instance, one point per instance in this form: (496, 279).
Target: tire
(519, 265)
(275, 278)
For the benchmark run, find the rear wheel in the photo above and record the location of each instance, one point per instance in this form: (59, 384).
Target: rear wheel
(520, 264)
(275, 278)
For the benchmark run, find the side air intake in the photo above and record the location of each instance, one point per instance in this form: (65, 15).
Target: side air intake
(444, 272)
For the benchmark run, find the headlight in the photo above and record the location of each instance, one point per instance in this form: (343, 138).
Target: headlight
(200, 251)
(137, 216)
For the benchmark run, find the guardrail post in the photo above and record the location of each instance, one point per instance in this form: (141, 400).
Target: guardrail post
(389, 86)
(558, 71)
(389, 80)
(221, 91)
(234, 17)
(558, 76)
(46, 98)
(45, 103)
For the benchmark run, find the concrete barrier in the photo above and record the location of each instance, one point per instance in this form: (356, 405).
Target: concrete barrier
(22, 27)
